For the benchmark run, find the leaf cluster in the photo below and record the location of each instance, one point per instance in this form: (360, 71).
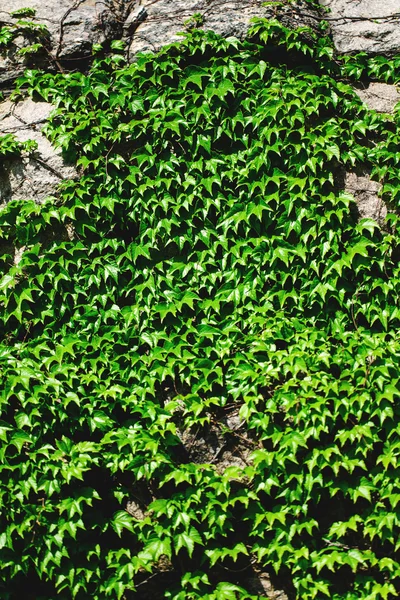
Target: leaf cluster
(23, 24)
(11, 147)
(206, 264)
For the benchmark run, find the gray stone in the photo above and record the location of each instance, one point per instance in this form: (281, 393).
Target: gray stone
(135, 510)
(365, 192)
(73, 25)
(136, 17)
(370, 26)
(34, 177)
(166, 18)
(224, 444)
(259, 582)
(381, 97)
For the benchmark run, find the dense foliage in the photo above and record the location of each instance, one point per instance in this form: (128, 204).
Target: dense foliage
(206, 263)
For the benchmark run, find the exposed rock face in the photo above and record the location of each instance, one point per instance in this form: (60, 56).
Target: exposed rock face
(224, 444)
(366, 191)
(38, 176)
(73, 26)
(162, 20)
(370, 26)
(260, 583)
(381, 97)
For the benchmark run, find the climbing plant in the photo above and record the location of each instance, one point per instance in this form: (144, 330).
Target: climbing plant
(205, 264)
(23, 24)
(10, 146)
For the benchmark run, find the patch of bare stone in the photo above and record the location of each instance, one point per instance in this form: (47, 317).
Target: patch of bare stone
(36, 176)
(383, 98)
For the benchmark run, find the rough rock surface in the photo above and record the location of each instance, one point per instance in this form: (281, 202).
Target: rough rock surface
(381, 97)
(30, 177)
(260, 583)
(73, 25)
(365, 192)
(370, 26)
(162, 20)
(224, 444)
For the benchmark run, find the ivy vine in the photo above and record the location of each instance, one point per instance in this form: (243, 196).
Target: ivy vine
(206, 263)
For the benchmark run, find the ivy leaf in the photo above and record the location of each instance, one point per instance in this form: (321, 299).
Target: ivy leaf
(122, 520)
(20, 439)
(187, 540)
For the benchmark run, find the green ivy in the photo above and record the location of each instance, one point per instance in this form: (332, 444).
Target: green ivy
(361, 66)
(205, 263)
(10, 146)
(36, 33)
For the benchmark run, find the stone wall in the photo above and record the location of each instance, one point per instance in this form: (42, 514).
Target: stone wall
(74, 26)
(146, 25)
